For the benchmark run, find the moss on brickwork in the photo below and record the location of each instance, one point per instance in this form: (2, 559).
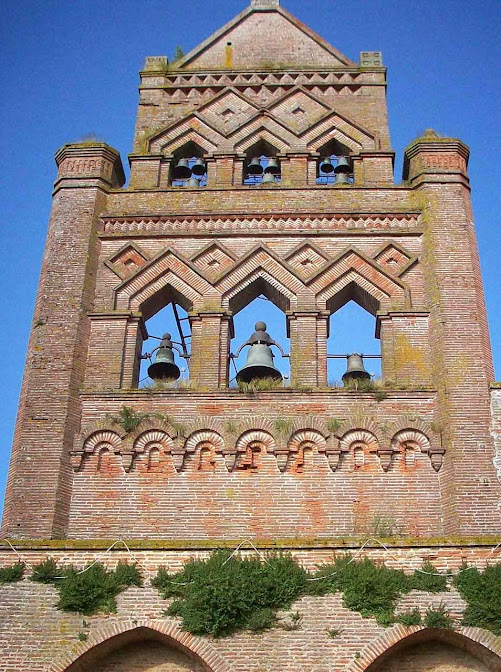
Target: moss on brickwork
(333, 543)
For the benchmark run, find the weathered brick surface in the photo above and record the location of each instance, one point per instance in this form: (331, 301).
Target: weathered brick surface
(40, 637)
(210, 464)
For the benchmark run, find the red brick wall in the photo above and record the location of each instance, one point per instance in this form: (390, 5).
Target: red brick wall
(38, 637)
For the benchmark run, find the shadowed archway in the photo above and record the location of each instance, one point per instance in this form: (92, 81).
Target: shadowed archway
(143, 647)
(431, 650)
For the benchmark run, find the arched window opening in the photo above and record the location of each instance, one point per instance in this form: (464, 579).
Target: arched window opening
(188, 167)
(334, 165)
(257, 357)
(351, 331)
(165, 364)
(262, 165)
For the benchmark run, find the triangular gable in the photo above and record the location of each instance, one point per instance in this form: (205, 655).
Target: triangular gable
(277, 38)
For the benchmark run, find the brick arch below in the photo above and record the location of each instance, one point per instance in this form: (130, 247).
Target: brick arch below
(478, 645)
(113, 637)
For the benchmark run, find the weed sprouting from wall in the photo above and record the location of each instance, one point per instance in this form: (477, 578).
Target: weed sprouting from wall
(128, 418)
(12, 573)
(91, 591)
(438, 618)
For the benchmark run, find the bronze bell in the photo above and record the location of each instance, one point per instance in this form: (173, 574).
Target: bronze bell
(193, 182)
(255, 167)
(343, 165)
(260, 357)
(326, 166)
(342, 178)
(182, 170)
(199, 168)
(269, 178)
(273, 167)
(355, 369)
(164, 367)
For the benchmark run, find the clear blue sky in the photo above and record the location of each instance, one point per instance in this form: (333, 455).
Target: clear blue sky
(70, 68)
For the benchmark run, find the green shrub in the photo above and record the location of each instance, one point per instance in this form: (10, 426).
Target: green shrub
(438, 618)
(430, 582)
(482, 593)
(95, 589)
(370, 589)
(409, 617)
(46, 571)
(223, 594)
(12, 573)
(261, 620)
(127, 575)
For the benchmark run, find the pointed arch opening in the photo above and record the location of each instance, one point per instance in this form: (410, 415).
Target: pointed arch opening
(352, 329)
(435, 650)
(262, 165)
(171, 319)
(262, 303)
(143, 649)
(188, 166)
(334, 165)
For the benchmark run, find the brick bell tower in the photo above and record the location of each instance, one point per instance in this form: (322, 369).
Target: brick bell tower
(309, 242)
(262, 165)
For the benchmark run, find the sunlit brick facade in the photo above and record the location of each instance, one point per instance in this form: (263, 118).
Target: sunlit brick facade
(307, 467)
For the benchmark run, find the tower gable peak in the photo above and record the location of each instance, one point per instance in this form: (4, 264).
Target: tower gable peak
(265, 3)
(264, 35)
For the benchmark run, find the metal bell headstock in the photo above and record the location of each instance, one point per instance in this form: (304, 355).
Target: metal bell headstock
(164, 367)
(181, 170)
(260, 357)
(255, 167)
(355, 369)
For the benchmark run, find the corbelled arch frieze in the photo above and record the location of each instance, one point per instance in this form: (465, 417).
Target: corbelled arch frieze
(237, 439)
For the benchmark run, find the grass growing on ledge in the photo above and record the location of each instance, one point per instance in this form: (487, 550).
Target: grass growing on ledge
(223, 594)
(12, 573)
(128, 418)
(259, 385)
(88, 592)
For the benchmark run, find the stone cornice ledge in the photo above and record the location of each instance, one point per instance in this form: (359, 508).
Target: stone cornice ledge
(289, 543)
